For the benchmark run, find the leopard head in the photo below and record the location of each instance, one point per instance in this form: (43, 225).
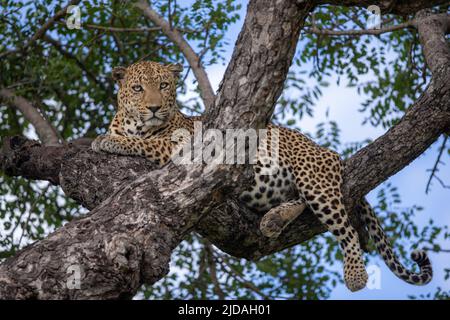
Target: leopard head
(147, 93)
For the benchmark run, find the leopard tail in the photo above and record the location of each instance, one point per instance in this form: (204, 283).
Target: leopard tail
(384, 248)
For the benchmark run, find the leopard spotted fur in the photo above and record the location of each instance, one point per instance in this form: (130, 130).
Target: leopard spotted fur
(147, 117)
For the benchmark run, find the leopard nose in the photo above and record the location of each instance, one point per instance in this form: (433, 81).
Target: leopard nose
(154, 109)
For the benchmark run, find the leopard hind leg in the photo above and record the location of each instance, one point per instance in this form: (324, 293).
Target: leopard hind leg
(279, 217)
(321, 191)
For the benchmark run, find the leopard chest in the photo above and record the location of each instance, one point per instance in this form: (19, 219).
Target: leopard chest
(133, 127)
(272, 185)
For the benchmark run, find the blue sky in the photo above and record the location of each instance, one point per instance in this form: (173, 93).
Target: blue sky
(342, 104)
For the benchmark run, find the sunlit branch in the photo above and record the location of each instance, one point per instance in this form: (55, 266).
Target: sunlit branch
(44, 129)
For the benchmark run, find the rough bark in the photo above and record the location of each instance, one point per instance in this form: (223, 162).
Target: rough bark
(138, 216)
(268, 38)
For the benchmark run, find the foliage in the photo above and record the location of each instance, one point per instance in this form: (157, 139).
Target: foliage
(66, 75)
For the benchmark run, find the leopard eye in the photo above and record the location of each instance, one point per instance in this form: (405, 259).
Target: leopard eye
(163, 85)
(137, 88)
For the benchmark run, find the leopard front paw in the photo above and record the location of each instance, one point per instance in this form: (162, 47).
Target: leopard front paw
(272, 224)
(98, 144)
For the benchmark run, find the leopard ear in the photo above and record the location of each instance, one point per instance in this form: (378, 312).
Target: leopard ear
(118, 74)
(176, 68)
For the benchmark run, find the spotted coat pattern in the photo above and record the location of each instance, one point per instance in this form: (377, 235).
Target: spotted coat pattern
(306, 174)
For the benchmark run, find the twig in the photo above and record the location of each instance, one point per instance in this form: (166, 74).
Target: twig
(157, 46)
(440, 250)
(240, 277)
(326, 32)
(90, 43)
(130, 30)
(20, 83)
(442, 183)
(115, 29)
(30, 212)
(187, 74)
(209, 250)
(193, 59)
(435, 167)
(198, 284)
(118, 42)
(205, 41)
(169, 14)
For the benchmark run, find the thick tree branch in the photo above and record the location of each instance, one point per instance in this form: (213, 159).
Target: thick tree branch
(422, 124)
(193, 59)
(46, 132)
(432, 29)
(265, 46)
(128, 238)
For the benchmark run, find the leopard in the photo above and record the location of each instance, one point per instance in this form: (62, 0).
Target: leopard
(306, 175)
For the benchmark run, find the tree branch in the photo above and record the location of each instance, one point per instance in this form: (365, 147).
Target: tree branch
(425, 120)
(42, 30)
(326, 32)
(91, 76)
(432, 29)
(239, 277)
(438, 161)
(209, 250)
(58, 46)
(46, 132)
(422, 124)
(193, 59)
(128, 238)
(128, 30)
(387, 6)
